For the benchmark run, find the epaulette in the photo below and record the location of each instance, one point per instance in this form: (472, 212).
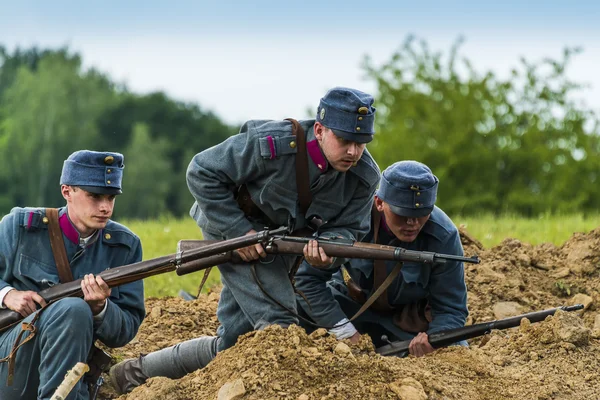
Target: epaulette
(115, 234)
(31, 218)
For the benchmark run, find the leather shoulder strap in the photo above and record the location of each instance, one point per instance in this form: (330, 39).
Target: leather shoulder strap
(302, 181)
(379, 269)
(58, 246)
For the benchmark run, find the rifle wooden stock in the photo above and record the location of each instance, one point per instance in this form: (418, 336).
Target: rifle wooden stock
(292, 245)
(451, 336)
(134, 272)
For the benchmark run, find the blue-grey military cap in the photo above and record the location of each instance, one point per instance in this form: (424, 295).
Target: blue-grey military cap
(349, 113)
(94, 171)
(409, 188)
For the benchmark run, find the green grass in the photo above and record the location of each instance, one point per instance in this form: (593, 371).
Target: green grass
(555, 229)
(160, 237)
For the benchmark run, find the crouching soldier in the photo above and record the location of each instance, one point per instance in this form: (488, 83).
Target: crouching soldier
(313, 174)
(41, 247)
(423, 298)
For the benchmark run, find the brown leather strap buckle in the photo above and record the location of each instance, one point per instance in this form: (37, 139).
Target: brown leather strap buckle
(11, 358)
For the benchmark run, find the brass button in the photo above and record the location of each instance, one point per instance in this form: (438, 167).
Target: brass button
(109, 160)
(360, 118)
(358, 128)
(363, 110)
(417, 205)
(293, 144)
(45, 220)
(108, 182)
(418, 193)
(354, 163)
(108, 171)
(107, 236)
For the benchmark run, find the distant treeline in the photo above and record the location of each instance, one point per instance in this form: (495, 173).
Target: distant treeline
(520, 145)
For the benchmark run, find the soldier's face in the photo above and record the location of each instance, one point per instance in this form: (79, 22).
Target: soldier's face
(341, 154)
(88, 211)
(405, 229)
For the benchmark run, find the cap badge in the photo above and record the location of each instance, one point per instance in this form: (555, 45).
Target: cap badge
(414, 187)
(109, 160)
(322, 113)
(363, 110)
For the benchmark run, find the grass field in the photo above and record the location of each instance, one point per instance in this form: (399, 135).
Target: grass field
(160, 237)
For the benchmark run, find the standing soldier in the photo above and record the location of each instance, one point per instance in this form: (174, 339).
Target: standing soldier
(41, 247)
(423, 298)
(308, 175)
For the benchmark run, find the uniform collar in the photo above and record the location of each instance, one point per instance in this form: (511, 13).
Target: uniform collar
(315, 153)
(386, 234)
(69, 230)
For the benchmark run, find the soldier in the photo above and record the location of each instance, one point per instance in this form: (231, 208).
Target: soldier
(281, 178)
(423, 298)
(65, 331)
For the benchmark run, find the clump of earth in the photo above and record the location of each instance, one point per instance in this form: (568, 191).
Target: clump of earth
(558, 358)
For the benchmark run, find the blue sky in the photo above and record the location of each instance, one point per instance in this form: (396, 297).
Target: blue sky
(275, 59)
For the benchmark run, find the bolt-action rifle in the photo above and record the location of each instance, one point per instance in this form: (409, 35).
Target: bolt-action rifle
(143, 269)
(334, 247)
(451, 336)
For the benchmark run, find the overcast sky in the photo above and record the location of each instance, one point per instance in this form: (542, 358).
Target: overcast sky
(275, 59)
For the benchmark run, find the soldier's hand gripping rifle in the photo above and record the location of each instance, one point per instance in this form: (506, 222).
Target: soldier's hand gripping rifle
(144, 269)
(334, 247)
(451, 336)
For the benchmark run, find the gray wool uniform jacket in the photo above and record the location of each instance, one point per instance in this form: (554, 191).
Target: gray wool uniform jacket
(263, 157)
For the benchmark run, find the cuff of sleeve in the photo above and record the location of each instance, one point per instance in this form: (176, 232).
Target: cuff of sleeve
(98, 318)
(3, 293)
(345, 331)
(238, 229)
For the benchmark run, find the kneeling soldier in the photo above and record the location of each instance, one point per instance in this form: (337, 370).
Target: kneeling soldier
(87, 242)
(423, 298)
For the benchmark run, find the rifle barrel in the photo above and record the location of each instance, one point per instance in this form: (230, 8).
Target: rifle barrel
(294, 245)
(451, 336)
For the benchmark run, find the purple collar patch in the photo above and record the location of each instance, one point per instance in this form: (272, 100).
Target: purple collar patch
(68, 229)
(317, 157)
(385, 225)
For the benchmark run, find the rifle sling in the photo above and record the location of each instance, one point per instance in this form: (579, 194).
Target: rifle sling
(58, 246)
(379, 303)
(379, 269)
(302, 181)
(364, 307)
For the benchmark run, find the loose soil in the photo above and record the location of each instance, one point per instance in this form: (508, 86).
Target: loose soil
(558, 358)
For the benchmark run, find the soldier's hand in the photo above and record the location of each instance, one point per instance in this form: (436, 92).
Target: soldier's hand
(253, 252)
(95, 292)
(23, 302)
(420, 346)
(315, 255)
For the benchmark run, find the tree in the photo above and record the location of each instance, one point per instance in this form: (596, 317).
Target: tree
(146, 176)
(496, 145)
(48, 113)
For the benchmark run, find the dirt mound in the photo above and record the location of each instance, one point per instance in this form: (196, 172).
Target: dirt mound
(554, 359)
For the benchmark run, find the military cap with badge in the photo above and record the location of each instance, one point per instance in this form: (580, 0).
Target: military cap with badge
(94, 171)
(349, 113)
(409, 188)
